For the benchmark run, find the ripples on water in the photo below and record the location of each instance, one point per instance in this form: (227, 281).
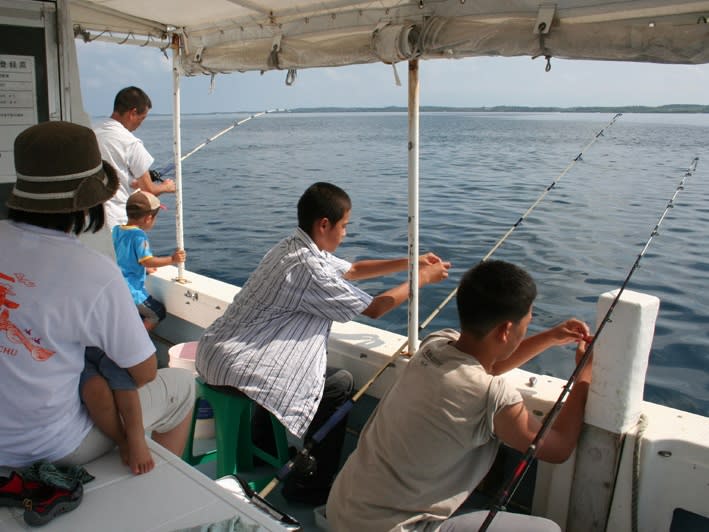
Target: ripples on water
(479, 172)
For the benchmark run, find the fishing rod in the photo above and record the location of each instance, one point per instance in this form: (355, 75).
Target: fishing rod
(514, 226)
(158, 175)
(302, 460)
(526, 461)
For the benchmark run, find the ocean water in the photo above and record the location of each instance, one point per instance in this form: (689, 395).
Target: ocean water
(479, 173)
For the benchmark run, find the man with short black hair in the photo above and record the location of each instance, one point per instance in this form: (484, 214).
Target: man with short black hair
(126, 153)
(271, 342)
(435, 434)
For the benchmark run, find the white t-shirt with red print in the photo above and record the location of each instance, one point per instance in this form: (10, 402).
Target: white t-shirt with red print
(57, 297)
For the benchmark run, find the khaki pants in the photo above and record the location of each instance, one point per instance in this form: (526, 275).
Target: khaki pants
(165, 402)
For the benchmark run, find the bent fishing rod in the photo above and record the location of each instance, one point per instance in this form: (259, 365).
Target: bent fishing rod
(302, 459)
(525, 462)
(158, 175)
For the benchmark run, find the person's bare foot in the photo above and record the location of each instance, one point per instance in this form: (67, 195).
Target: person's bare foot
(124, 452)
(139, 460)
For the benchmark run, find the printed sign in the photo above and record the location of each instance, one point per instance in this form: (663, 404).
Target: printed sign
(18, 106)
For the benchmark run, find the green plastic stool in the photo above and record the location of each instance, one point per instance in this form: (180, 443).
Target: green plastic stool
(232, 423)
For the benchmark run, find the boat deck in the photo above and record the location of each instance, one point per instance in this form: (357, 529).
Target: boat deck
(174, 496)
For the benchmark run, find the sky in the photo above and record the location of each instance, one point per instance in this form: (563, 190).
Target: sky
(474, 82)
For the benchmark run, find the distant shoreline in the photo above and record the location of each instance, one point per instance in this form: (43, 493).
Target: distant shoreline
(670, 108)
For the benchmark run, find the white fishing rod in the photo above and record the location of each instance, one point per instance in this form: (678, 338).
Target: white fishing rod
(526, 461)
(171, 167)
(159, 175)
(301, 460)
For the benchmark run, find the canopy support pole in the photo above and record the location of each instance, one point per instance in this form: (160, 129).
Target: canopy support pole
(413, 223)
(177, 151)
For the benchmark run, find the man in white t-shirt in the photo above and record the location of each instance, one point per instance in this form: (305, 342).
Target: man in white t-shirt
(126, 153)
(58, 297)
(436, 433)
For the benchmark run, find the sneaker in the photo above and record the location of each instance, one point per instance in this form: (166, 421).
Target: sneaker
(14, 490)
(49, 502)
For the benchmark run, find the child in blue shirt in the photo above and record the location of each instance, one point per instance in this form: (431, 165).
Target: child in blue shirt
(135, 257)
(118, 413)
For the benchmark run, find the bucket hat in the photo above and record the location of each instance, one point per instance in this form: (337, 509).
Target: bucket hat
(59, 169)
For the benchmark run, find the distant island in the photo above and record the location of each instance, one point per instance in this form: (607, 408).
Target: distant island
(671, 108)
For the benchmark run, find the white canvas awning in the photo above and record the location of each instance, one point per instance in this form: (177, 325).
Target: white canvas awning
(241, 35)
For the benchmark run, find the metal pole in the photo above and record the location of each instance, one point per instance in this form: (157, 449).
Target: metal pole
(177, 151)
(413, 318)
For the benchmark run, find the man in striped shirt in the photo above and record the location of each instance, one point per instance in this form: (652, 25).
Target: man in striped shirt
(271, 342)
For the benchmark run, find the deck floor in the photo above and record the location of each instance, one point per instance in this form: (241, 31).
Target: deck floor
(303, 513)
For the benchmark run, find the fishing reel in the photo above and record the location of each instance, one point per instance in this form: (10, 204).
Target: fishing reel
(305, 464)
(155, 176)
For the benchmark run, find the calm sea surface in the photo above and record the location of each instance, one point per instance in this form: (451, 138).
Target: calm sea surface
(479, 173)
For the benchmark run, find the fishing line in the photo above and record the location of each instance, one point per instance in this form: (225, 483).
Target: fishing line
(171, 167)
(526, 461)
(514, 226)
(302, 460)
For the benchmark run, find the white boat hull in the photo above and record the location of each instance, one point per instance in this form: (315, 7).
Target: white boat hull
(673, 458)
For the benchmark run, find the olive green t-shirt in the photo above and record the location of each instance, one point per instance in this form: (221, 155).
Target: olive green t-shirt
(427, 446)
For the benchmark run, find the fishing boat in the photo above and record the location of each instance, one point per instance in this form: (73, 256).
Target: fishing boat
(640, 466)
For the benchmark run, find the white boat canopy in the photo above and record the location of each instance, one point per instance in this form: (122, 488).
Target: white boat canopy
(221, 36)
(241, 35)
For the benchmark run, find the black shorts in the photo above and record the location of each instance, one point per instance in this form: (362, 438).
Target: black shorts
(152, 310)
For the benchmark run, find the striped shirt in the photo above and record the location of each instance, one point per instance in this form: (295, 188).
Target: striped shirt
(271, 342)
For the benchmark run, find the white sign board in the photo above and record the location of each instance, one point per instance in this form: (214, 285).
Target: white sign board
(18, 106)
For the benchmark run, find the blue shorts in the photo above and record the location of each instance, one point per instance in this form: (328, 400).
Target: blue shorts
(97, 363)
(152, 310)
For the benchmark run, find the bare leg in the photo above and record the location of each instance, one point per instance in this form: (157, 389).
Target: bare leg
(174, 440)
(139, 458)
(100, 403)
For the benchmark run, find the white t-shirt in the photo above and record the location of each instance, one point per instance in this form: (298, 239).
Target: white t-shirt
(126, 153)
(57, 297)
(426, 447)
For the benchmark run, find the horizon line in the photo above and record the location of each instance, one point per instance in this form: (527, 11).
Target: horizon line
(680, 108)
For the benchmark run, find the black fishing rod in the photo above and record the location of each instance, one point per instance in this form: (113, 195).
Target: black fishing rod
(158, 175)
(526, 461)
(302, 460)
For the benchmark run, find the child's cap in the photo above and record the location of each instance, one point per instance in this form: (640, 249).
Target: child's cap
(141, 203)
